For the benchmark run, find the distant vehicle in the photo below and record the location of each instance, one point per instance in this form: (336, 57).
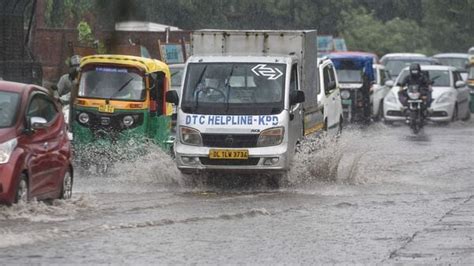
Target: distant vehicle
(355, 73)
(458, 60)
(379, 90)
(450, 96)
(35, 152)
(395, 62)
(328, 44)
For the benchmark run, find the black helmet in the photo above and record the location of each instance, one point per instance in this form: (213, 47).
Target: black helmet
(415, 69)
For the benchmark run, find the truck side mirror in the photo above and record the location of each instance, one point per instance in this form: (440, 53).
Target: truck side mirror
(296, 97)
(172, 97)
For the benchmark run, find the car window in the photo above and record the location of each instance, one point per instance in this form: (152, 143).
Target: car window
(42, 106)
(326, 77)
(9, 102)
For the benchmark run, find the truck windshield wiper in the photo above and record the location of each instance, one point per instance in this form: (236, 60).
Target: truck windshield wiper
(196, 96)
(227, 86)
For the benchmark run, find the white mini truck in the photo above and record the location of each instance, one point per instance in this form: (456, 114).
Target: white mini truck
(248, 98)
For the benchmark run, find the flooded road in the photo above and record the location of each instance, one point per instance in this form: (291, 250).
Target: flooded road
(376, 195)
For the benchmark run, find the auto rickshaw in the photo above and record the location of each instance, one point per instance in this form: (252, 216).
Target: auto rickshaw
(120, 109)
(355, 74)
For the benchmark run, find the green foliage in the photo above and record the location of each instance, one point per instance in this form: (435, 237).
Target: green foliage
(85, 36)
(364, 32)
(371, 25)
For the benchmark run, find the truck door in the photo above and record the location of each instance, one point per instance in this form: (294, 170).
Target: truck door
(295, 125)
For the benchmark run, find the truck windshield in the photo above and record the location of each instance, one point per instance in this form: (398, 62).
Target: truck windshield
(349, 75)
(8, 108)
(234, 88)
(113, 83)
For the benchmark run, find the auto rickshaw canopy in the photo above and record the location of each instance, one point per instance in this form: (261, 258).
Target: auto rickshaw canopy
(146, 64)
(354, 61)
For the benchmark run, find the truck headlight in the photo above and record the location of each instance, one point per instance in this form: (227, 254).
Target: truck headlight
(6, 150)
(83, 118)
(128, 120)
(271, 137)
(445, 98)
(391, 98)
(345, 95)
(190, 136)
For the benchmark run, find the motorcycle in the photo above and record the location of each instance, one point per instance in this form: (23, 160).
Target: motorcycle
(414, 111)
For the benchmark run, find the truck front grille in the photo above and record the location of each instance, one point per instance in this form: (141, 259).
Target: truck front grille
(230, 140)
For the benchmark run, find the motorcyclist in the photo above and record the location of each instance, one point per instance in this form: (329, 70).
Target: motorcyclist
(416, 77)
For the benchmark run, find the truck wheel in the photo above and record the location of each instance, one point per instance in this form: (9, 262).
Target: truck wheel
(22, 190)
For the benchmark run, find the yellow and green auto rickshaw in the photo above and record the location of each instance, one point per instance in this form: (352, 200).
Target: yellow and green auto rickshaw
(120, 109)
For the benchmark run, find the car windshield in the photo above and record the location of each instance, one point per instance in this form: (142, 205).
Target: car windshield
(176, 77)
(459, 63)
(114, 83)
(439, 78)
(239, 88)
(349, 76)
(395, 66)
(8, 108)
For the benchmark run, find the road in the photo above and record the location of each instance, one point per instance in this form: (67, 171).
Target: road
(376, 195)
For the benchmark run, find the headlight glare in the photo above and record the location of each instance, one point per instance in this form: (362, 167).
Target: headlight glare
(271, 137)
(345, 95)
(128, 120)
(6, 150)
(414, 95)
(190, 136)
(83, 118)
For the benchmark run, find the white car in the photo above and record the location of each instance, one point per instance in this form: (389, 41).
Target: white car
(378, 90)
(450, 96)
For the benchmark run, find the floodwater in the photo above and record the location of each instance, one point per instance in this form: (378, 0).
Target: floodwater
(375, 195)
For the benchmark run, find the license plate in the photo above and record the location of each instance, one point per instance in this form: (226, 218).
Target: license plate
(229, 154)
(348, 101)
(106, 109)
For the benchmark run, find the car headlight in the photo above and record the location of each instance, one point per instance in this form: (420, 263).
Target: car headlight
(6, 150)
(128, 120)
(414, 95)
(391, 98)
(445, 98)
(190, 136)
(271, 137)
(83, 118)
(345, 95)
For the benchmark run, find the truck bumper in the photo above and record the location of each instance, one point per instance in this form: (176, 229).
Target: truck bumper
(265, 159)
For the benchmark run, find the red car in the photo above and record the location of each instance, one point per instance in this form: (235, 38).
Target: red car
(35, 152)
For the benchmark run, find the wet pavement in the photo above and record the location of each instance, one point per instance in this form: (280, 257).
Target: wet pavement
(376, 195)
